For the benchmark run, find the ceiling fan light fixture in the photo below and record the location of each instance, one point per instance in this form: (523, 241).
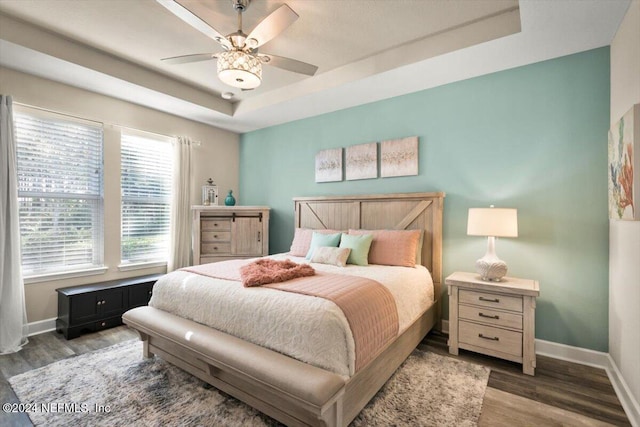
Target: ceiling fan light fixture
(239, 69)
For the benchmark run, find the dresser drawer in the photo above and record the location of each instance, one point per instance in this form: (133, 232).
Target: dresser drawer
(107, 323)
(215, 248)
(215, 224)
(490, 317)
(488, 337)
(485, 299)
(216, 236)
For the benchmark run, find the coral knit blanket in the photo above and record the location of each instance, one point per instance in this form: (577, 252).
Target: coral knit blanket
(254, 273)
(265, 271)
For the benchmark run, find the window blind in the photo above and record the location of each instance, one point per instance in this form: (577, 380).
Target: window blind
(146, 196)
(59, 192)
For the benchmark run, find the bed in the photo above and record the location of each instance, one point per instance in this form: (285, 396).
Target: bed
(289, 390)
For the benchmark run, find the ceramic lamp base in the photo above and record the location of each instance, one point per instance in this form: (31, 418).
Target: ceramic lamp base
(492, 269)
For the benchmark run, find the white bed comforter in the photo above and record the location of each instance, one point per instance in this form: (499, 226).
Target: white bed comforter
(310, 329)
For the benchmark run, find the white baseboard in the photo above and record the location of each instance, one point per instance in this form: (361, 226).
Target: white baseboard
(42, 326)
(627, 400)
(583, 356)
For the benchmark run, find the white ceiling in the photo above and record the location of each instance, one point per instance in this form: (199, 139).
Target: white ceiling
(366, 50)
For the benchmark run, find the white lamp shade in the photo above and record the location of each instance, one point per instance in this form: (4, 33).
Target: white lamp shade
(496, 222)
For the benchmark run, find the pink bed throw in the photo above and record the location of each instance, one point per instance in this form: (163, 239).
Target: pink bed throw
(368, 306)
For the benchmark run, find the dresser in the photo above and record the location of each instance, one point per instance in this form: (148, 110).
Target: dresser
(228, 232)
(493, 318)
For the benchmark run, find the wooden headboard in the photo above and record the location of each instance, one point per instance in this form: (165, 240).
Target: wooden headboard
(400, 211)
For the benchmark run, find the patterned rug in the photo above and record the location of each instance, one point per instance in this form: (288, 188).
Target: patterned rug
(117, 387)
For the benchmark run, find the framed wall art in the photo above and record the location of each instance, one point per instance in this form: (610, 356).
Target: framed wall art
(329, 165)
(399, 157)
(624, 166)
(361, 161)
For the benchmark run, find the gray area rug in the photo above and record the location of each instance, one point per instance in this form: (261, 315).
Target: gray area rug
(117, 387)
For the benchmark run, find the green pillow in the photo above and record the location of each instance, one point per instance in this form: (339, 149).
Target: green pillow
(319, 239)
(359, 246)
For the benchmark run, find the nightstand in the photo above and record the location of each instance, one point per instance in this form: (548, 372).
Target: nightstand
(493, 318)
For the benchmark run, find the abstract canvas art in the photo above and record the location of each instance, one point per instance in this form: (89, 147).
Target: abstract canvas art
(361, 161)
(399, 157)
(329, 165)
(624, 166)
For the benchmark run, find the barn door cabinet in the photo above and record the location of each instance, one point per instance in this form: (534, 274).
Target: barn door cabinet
(227, 232)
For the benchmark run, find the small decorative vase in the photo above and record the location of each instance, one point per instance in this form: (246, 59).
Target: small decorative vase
(230, 200)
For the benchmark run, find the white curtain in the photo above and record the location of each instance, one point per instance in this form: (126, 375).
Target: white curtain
(180, 249)
(13, 315)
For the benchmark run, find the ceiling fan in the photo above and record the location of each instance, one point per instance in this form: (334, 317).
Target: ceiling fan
(240, 64)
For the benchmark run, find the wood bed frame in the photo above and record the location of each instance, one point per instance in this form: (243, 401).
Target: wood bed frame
(293, 392)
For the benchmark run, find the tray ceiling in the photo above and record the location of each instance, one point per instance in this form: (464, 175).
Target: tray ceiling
(365, 50)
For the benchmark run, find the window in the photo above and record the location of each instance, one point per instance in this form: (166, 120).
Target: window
(146, 173)
(59, 192)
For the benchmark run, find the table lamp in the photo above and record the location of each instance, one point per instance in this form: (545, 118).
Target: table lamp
(492, 222)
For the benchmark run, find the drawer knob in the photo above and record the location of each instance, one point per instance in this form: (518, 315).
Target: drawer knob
(488, 316)
(103, 324)
(489, 338)
(489, 299)
(99, 302)
(149, 292)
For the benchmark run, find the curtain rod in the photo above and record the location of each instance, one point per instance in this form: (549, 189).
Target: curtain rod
(195, 143)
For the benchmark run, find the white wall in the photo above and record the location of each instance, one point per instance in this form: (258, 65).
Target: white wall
(216, 157)
(624, 236)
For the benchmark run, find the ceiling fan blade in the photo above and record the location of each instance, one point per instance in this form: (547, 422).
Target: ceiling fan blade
(190, 18)
(184, 59)
(288, 64)
(272, 25)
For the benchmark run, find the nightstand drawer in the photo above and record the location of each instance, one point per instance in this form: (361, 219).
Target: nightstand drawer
(491, 317)
(215, 224)
(485, 299)
(215, 248)
(496, 339)
(216, 236)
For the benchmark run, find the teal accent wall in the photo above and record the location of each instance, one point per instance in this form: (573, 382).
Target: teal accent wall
(532, 138)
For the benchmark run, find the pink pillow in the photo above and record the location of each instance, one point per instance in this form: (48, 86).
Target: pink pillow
(302, 240)
(392, 247)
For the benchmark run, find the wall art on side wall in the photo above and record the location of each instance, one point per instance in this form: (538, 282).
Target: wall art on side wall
(329, 165)
(399, 157)
(624, 166)
(361, 161)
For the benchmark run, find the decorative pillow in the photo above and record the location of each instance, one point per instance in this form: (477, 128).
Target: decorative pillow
(393, 247)
(321, 239)
(333, 256)
(302, 240)
(359, 246)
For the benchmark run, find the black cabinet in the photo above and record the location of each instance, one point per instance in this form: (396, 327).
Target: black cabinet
(100, 305)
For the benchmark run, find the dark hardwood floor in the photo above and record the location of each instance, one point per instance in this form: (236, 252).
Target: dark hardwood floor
(561, 393)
